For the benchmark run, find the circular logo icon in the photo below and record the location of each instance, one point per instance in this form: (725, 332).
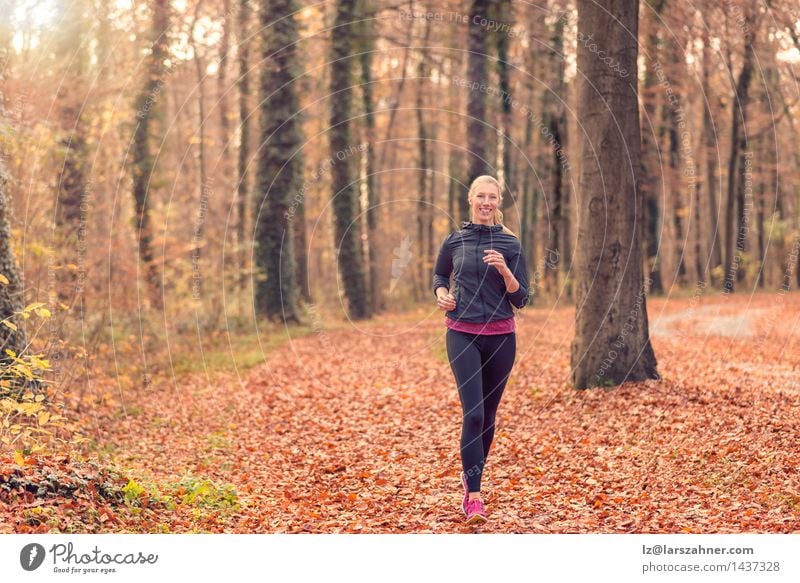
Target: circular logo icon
(31, 556)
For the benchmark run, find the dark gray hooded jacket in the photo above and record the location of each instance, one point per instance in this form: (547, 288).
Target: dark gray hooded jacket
(480, 290)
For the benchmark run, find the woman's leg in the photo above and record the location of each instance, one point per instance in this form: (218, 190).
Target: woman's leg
(465, 361)
(501, 350)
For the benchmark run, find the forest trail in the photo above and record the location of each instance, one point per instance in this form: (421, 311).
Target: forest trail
(357, 429)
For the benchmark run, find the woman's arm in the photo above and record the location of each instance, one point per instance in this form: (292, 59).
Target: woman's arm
(443, 268)
(517, 280)
(512, 284)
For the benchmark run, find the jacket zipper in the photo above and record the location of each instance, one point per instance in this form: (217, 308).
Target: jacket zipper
(478, 272)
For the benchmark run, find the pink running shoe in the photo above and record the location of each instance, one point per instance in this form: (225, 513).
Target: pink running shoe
(466, 493)
(476, 513)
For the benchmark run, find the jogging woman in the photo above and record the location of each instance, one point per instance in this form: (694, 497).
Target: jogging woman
(490, 277)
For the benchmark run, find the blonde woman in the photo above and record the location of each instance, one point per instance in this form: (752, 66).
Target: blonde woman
(490, 277)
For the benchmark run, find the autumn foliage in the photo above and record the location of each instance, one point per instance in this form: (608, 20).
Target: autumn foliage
(355, 429)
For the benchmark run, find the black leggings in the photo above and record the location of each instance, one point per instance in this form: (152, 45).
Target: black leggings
(481, 364)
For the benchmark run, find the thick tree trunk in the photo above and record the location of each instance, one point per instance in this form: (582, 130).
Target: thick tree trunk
(505, 21)
(280, 165)
(612, 342)
(345, 187)
(478, 77)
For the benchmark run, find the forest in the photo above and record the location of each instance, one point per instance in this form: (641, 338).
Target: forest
(220, 220)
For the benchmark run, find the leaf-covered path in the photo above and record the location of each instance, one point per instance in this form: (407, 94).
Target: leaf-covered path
(357, 430)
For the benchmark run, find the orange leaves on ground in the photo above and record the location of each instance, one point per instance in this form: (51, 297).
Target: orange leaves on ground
(358, 430)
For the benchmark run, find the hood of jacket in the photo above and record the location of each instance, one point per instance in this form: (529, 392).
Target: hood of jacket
(479, 227)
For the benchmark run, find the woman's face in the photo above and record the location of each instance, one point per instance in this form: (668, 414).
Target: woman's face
(485, 201)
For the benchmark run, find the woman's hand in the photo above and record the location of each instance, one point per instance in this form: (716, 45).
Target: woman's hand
(496, 258)
(446, 302)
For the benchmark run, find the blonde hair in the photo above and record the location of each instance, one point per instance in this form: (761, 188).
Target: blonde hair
(497, 219)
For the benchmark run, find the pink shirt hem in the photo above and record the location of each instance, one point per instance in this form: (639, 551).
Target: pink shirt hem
(505, 326)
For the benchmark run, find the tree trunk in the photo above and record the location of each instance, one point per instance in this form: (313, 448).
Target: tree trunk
(529, 202)
(424, 191)
(478, 77)
(534, 59)
(710, 154)
(345, 186)
(143, 163)
(768, 203)
(301, 250)
(389, 145)
(280, 165)
(455, 169)
(244, 136)
(12, 334)
(612, 342)
(366, 39)
(73, 182)
(505, 21)
(760, 203)
(672, 116)
(554, 141)
(738, 164)
(222, 89)
(650, 177)
(199, 219)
